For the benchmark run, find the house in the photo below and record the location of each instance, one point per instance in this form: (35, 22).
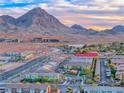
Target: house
(8, 40)
(27, 88)
(103, 89)
(4, 59)
(119, 64)
(76, 45)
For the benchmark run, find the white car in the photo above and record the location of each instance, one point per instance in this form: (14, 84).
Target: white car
(108, 70)
(108, 73)
(105, 63)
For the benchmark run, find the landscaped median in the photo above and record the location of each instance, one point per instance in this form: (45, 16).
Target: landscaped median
(44, 79)
(40, 79)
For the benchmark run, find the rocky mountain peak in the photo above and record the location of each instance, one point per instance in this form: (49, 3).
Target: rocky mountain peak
(78, 27)
(7, 19)
(118, 27)
(38, 20)
(37, 12)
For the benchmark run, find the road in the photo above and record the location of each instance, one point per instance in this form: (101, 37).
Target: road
(63, 88)
(8, 74)
(70, 83)
(103, 70)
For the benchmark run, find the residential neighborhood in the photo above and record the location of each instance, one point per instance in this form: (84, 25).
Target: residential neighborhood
(61, 46)
(83, 68)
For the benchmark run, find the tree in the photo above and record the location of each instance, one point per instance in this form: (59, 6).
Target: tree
(84, 46)
(85, 50)
(97, 78)
(113, 72)
(109, 60)
(1, 67)
(111, 65)
(78, 50)
(89, 81)
(69, 90)
(94, 67)
(87, 70)
(122, 81)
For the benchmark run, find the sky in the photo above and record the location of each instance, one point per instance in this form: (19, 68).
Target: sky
(96, 14)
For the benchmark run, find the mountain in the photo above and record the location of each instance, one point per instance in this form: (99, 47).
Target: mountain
(40, 21)
(36, 20)
(78, 27)
(119, 29)
(8, 19)
(7, 24)
(81, 30)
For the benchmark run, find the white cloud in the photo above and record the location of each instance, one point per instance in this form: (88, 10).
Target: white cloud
(15, 1)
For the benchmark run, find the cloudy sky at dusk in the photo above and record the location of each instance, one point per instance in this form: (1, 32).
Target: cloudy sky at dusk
(97, 14)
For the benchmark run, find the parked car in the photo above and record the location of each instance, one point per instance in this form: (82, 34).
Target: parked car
(108, 73)
(105, 63)
(108, 70)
